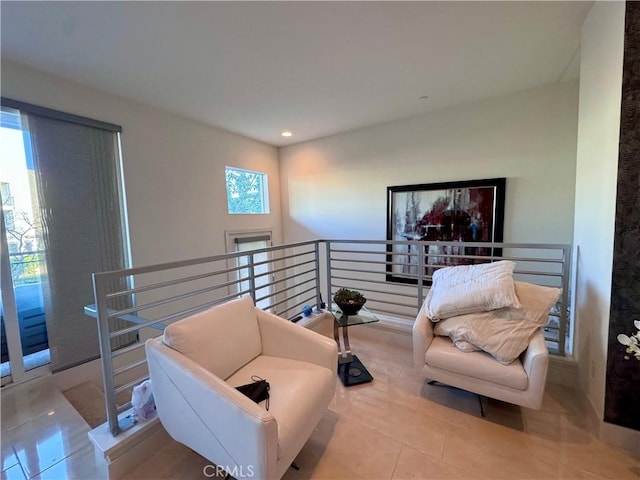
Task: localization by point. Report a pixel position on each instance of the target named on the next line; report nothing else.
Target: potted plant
(349, 301)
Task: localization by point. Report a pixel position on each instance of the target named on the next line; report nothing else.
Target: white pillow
(471, 288)
(504, 333)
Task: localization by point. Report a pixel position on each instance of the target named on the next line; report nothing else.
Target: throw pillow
(504, 333)
(471, 288)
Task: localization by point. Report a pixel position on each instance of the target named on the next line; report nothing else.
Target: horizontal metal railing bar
(131, 384)
(384, 292)
(169, 283)
(297, 285)
(441, 255)
(260, 299)
(306, 300)
(125, 350)
(437, 266)
(129, 317)
(364, 252)
(124, 407)
(283, 290)
(264, 297)
(379, 282)
(494, 257)
(285, 279)
(414, 277)
(302, 292)
(375, 262)
(532, 246)
(91, 311)
(176, 315)
(195, 261)
(182, 296)
(395, 313)
(282, 280)
(293, 296)
(470, 257)
(290, 267)
(539, 274)
(280, 259)
(398, 304)
(357, 270)
(129, 367)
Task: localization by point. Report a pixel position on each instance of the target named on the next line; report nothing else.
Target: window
(247, 191)
(65, 182)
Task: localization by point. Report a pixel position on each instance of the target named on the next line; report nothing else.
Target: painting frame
(464, 211)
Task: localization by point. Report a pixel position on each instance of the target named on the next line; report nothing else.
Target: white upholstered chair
(199, 361)
(521, 382)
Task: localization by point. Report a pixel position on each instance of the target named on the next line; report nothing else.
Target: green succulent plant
(344, 295)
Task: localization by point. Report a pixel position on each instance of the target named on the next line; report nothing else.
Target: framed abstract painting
(465, 211)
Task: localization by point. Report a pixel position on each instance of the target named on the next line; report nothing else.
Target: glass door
(25, 344)
(252, 240)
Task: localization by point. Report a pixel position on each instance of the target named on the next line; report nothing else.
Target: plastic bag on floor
(142, 401)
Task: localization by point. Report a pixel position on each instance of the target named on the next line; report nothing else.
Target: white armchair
(200, 360)
(521, 382)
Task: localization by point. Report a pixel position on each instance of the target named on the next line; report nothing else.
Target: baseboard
(121, 454)
(87, 372)
(317, 321)
(621, 437)
(562, 371)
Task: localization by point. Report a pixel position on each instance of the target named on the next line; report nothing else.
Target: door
(243, 241)
(25, 345)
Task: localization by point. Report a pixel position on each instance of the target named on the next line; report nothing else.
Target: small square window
(247, 191)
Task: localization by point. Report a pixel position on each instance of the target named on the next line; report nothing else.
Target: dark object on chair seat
(258, 390)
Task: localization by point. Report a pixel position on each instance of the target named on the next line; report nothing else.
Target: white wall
(596, 176)
(174, 168)
(336, 187)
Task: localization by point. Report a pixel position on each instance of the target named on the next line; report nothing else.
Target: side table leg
(344, 350)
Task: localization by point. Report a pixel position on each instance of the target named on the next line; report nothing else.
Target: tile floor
(396, 427)
(43, 436)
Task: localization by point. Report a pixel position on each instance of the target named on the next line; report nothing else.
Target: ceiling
(315, 68)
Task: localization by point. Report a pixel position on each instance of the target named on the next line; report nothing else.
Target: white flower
(632, 343)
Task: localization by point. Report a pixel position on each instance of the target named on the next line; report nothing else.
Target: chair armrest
(422, 337)
(281, 338)
(536, 354)
(535, 361)
(202, 411)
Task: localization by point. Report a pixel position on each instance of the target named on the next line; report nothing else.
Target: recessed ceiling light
(286, 133)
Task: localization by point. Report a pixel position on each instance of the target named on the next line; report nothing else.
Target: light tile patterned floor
(396, 427)
(43, 436)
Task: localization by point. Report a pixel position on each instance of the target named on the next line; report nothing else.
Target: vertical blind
(79, 190)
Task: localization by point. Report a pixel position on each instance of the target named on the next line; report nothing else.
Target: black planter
(350, 308)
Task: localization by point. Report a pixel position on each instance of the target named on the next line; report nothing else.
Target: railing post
(252, 277)
(329, 297)
(317, 259)
(566, 267)
(421, 266)
(99, 294)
